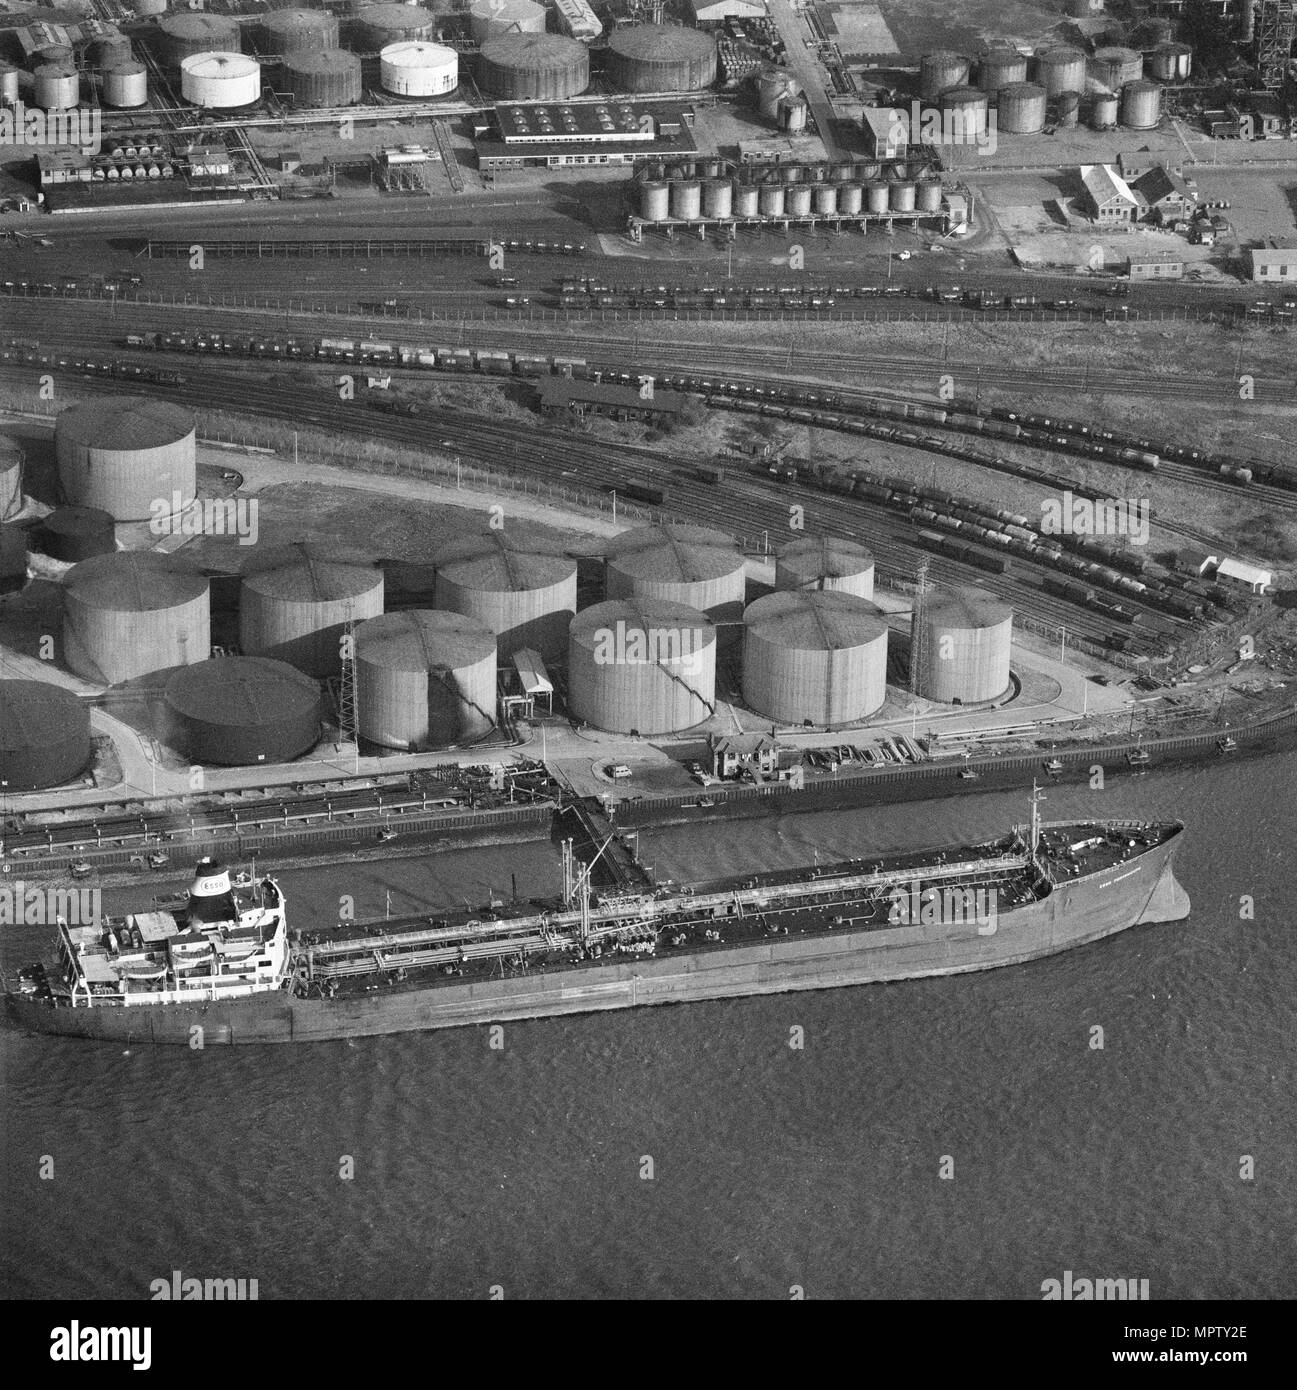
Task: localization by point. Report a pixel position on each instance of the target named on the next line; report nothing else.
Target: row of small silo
(690, 200)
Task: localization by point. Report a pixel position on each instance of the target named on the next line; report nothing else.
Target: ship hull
(1075, 913)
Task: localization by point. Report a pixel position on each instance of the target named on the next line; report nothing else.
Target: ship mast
(1037, 796)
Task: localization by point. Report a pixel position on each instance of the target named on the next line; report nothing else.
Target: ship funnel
(210, 895)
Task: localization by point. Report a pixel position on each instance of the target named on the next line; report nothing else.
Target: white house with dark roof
(1107, 197)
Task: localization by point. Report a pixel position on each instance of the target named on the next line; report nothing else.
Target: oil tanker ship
(226, 968)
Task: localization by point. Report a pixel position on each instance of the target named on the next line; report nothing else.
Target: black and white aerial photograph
(648, 652)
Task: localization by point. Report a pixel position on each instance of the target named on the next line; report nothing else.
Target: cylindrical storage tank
(126, 455)
(533, 67)
(239, 711)
(797, 200)
(424, 679)
(328, 78)
(686, 200)
(850, 199)
(940, 71)
(928, 195)
(1001, 67)
(825, 562)
(1171, 62)
(1084, 9)
(771, 85)
(710, 169)
(901, 197)
(693, 565)
(826, 200)
(295, 603)
(1114, 67)
(108, 50)
(1152, 33)
(11, 480)
(966, 108)
(76, 533)
(962, 645)
(58, 86)
(9, 84)
(747, 200)
(415, 69)
(792, 114)
(489, 19)
(381, 25)
(718, 198)
(133, 613)
(142, 9)
(876, 198)
(816, 655)
(181, 36)
(524, 592)
(843, 172)
(1061, 69)
(655, 201)
(1021, 110)
(296, 30)
(1103, 111)
(1141, 105)
(771, 200)
(791, 173)
(1067, 109)
(220, 81)
(125, 85)
(44, 735)
(661, 58)
(643, 665)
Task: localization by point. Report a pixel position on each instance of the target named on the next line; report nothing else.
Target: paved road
(802, 61)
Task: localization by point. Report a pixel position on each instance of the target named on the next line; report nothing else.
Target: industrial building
(533, 67)
(661, 58)
(565, 134)
(960, 647)
(424, 679)
(44, 735)
(240, 711)
(641, 665)
(562, 395)
(886, 130)
(490, 19)
(689, 565)
(1155, 267)
(295, 604)
(577, 20)
(523, 590)
(134, 613)
(125, 455)
(814, 656)
(825, 562)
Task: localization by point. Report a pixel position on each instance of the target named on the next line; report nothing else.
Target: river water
(772, 1167)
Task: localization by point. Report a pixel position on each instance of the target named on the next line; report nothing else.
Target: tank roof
(196, 26)
(636, 613)
(424, 639)
(815, 620)
(33, 713)
(124, 423)
(539, 51)
(504, 563)
(241, 691)
(662, 42)
(675, 553)
(301, 574)
(297, 19)
(831, 556)
(134, 581)
(322, 60)
(972, 608)
(396, 16)
(219, 65)
(78, 521)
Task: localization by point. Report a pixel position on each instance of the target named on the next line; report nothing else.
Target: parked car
(618, 771)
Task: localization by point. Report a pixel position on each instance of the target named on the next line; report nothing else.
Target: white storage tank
(416, 69)
(825, 562)
(642, 665)
(655, 201)
(814, 655)
(134, 613)
(58, 86)
(962, 643)
(424, 679)
(220, 81)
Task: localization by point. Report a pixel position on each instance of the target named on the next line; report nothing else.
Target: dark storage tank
(237, 711)
(44, 735)
(76, 533)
